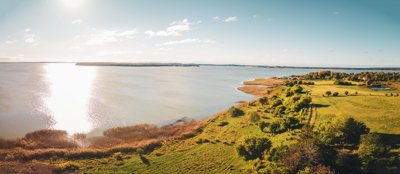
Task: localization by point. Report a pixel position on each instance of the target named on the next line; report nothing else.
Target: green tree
(252, 147)
(274, 127)
(296, 89)
(352, 130)
(263, 100)
(328, 93)
(346, 92)
(232, 111)
(335, 94)
(370, 149)
(254, 117)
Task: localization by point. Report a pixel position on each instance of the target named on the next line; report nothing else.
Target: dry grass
(46, 144)
(267, 89)
(267, 82)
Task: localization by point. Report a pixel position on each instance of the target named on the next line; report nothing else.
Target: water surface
(90, 99)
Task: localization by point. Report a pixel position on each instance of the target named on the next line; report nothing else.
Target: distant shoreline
(135, 64)
(198, 65)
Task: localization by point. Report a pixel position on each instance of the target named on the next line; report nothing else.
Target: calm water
(91, 99)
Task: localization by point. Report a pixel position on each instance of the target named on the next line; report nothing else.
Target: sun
(73, 3)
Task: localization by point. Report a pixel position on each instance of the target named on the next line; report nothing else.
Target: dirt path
(313, 115)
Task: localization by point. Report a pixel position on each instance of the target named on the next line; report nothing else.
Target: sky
(250, 32)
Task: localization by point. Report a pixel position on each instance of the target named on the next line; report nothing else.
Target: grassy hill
(212, 150)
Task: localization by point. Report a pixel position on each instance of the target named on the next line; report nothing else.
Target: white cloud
(36, 44)
(336, 13)
(108, 36)
(165, 49)
(127, 33)
(111, 53)
(77, 48)
(156, 53)
(29, 38)
(21, 55)
(255, 16)
(330, 49)
(231, 19)
(209, 41)
(77, 21)
(284, 50)
(11, 42)
(77, 37)
(175, 28)
(201, 43)
(27, 29)
(216, 17)
(185, 41)
(198, 22)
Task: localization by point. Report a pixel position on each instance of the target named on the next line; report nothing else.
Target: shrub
(276, 103)
(140, 151)
(262, 125)
(252, 147)
(71, 166)
(274, 127)
(370, 149)
(233, 112)
(263, 100)
(346, 92)
(356, 92)
(276, 153)
(296, 89)
(328, 93)
(118, 156)
(254, 117)
(335, 94)
(223, 123)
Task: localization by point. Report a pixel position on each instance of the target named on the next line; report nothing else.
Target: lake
(90, 99)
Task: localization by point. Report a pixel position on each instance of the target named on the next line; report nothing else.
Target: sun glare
(69, 102)
(72, 3)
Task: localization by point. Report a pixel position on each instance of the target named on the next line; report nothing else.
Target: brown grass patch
(46, 144)
(267, 82)
(255, 90)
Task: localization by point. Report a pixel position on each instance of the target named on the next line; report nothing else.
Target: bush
(263, 100)
(233, 112)
(71, 166)
(276, 153)
(328, 93)
(254, 117)
(274, 127)
(252, 147)
(370, 149)
(276, 103)
(335, 94)
(118, 156)
(140, 151)
(262, 125)
(296, 89)
(346, 92)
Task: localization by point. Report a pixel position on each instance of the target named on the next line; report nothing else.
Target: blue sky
(255, 32)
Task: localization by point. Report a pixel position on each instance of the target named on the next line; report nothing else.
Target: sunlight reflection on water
(69, 101)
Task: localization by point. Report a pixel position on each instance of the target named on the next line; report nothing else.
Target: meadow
(209, 146)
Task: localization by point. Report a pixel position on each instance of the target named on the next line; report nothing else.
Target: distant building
(365, 78)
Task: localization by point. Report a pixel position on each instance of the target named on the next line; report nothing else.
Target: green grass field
(213, 149)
